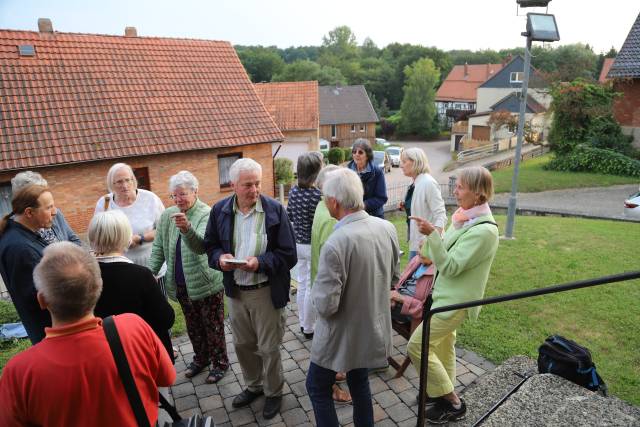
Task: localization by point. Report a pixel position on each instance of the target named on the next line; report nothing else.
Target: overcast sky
(446, 24)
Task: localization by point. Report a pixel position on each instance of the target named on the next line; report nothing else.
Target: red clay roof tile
(461, 86)
(293, 105)
(90, 97)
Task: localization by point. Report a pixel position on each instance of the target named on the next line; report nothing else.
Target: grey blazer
(358, 264)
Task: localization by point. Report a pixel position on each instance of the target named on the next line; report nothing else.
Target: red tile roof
(293, 105)
(90, 97)
(461, 86)
(606, 66)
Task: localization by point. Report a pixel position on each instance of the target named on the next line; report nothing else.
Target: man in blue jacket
(250, 239)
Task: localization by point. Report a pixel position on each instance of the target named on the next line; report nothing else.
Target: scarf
(462, 216)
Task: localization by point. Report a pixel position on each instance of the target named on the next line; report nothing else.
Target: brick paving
(394, 399)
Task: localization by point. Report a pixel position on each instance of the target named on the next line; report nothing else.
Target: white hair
(345, 186)
(109, 231)
(183, 179)
(115, 168)
(243, 165)
(324, 174)
(25, 178)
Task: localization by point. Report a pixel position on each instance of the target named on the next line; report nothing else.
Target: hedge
(585, 158)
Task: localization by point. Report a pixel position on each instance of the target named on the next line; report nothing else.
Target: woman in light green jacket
(463, 258)
(189, 280)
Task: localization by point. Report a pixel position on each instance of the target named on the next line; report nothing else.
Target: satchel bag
(115, 344)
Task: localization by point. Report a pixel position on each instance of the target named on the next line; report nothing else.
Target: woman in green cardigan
(463, 258)
(198, 288)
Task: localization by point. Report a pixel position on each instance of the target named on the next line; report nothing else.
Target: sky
(445, 24)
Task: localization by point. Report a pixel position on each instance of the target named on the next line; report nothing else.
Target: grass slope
(533, 178)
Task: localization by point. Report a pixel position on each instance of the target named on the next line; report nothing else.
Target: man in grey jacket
(358, 264)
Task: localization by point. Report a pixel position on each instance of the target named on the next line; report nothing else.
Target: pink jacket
(413, 306)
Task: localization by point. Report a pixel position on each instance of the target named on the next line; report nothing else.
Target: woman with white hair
(143, 209)
(180, 243)
(425, 201)
(127, 287)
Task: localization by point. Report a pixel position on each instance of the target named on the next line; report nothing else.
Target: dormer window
(516, 77)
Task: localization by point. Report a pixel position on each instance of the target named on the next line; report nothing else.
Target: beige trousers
(257, 329)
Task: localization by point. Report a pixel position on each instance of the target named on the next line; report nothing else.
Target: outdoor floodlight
(542, 27)
(533, 3)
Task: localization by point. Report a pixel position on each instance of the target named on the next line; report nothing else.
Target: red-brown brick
(77, 187)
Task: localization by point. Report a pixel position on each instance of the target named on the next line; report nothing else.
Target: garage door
(290, 150)
(481, 133)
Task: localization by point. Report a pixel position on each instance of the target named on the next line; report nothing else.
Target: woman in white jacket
(426, 201)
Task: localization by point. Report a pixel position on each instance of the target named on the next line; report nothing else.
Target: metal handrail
(426, 323)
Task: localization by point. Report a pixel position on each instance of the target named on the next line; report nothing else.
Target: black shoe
(271, 407)
(443, 412)
(308, 336)
(246, 397)
(430, 400)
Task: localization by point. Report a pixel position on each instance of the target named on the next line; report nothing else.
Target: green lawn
(533, 178)
(548, 251)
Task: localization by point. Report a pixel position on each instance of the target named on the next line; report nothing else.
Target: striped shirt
(249, 239)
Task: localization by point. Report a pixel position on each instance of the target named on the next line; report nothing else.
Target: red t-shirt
(70, 378)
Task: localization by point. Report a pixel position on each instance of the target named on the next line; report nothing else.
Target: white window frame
(513, 77)
(224, 164)
(334, 132)
(5, 194)
(363, 127)
(353, 128)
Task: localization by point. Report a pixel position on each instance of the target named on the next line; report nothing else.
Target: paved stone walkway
(394, 399)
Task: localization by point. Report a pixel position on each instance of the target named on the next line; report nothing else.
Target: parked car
(324, 144)
(383, 142)
(632, 206)
(381, 159)
(394, 155)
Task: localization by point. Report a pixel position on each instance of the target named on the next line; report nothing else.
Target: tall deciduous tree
(260, 62)
(418, 106)
(308, 70)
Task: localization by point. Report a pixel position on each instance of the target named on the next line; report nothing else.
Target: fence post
(281, 193)
(452, 185)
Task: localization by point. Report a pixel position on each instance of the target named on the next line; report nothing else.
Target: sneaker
(443, 412)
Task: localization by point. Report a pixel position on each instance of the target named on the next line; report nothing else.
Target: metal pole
(511, 213)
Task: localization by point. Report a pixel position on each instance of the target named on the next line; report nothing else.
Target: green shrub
(284, 171)
(585, 158)
(8, 313)
(325, 156)
(347, 153)
(336, 156)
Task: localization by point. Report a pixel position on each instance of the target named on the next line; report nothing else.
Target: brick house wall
(77, 187)
(626, 109)
(344, 136)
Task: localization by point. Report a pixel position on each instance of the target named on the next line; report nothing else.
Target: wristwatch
(141, 238)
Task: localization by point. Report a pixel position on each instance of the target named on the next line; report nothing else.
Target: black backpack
(563, 357)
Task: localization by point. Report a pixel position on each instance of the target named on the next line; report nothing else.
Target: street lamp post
(540, 27)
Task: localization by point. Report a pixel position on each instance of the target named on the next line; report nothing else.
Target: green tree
(260, 62)
(340, 42)
(307, 70)
(418, 110)
(369, 49)
(292, 54)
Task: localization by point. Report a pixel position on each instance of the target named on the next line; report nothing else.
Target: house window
(224, 164)
(353, 128)
(457, 106)
(334, 134)
(142, 176)
(363, 127)
(516, 77)
(5, 198)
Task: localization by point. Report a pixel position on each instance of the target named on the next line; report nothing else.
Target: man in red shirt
(70, 378)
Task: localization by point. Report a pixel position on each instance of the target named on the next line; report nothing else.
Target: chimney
(130, 32)
(45, 25)
(466, 70)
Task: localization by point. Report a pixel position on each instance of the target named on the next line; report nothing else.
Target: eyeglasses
(357, 152)
(180, 196)
(124, 181)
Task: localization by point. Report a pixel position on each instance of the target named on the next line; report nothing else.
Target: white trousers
(306, 311)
